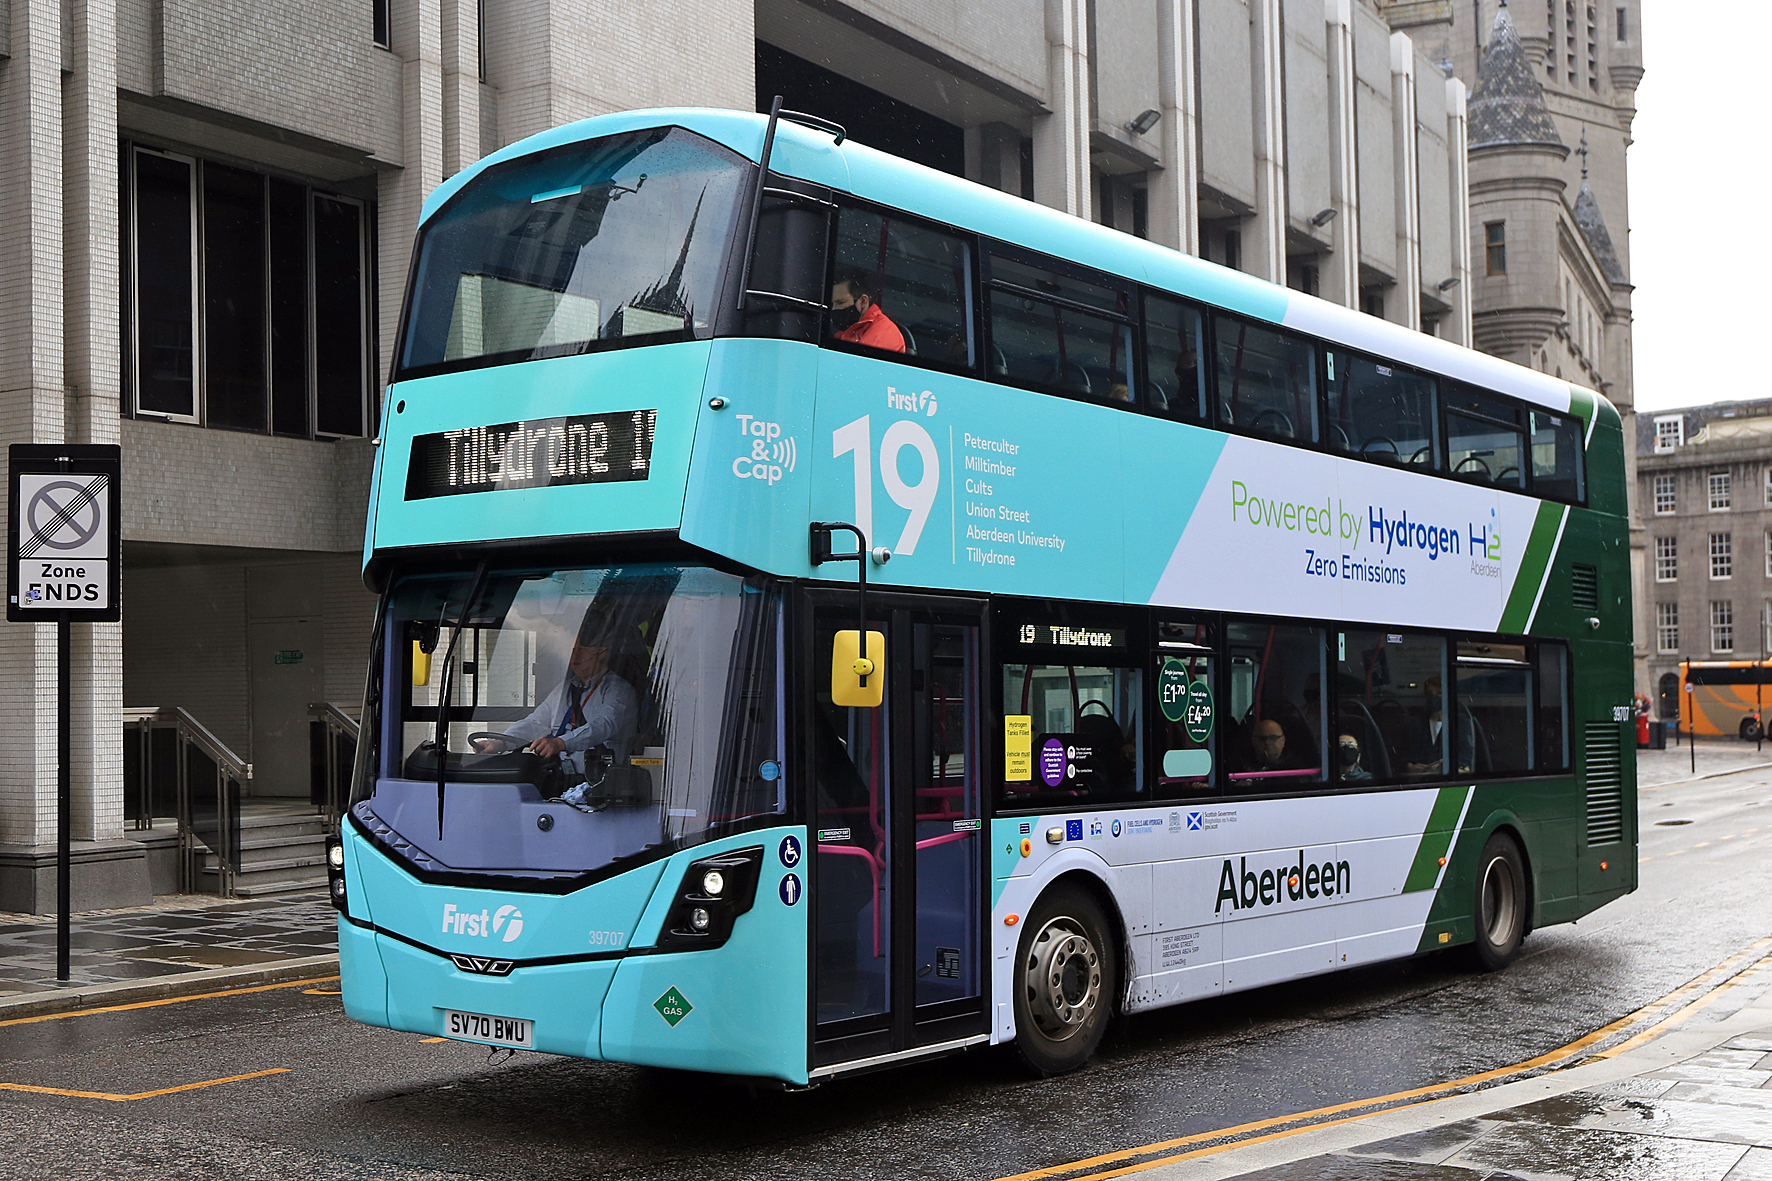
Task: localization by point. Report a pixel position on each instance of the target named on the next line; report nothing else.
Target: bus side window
(1174, 379)
(1556, 457)
(1267, 381)
(898, 286)
(1383, 413)
(1043, 336)
(1494, 707)
(1071, 733)
(1273, 733)
(1186, 722)
(1390, 700)
(1484, 440)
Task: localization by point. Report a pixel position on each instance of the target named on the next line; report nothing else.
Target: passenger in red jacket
(856, 316)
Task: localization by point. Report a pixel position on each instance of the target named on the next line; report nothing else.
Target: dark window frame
(990, 248)
(1143, 626)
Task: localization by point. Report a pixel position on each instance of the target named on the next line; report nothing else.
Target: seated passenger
(856, 316)
(1351, 771)
(1269, 741)
(592, 707)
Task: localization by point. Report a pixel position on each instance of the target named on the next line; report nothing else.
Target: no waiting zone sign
(63, 533)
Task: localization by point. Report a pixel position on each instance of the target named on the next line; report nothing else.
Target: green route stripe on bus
(1535, 566)
(1436, 839)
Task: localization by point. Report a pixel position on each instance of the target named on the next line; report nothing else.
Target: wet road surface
(314, 1095)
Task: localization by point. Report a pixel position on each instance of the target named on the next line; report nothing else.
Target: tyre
(1067, 981)
(1500, 910)
(1749, 729)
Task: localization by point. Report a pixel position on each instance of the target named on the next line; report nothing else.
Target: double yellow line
(1712, 984)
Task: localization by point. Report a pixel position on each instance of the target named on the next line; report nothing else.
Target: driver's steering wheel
(505, 741)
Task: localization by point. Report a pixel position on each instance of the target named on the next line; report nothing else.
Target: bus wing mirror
(421, 664)
(855, 681)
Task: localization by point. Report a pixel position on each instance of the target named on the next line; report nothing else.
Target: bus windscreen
(618, 240)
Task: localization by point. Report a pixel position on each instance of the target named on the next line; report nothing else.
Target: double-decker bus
(835, 614)
(1720, 697)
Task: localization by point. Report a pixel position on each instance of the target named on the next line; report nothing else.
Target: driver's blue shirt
(611, 714)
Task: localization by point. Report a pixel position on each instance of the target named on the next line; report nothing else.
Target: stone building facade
(207, 209)
(1704, 484)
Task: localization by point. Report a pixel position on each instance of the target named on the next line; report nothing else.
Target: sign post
(64, 563)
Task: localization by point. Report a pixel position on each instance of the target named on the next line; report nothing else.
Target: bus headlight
(335, 873)
(714, 891)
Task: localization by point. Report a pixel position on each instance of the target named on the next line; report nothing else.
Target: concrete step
(279, 870)
(265, 889)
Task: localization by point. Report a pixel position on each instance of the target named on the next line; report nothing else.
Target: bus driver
(592, 707)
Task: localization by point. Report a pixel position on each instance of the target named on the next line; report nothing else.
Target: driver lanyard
(575, 714)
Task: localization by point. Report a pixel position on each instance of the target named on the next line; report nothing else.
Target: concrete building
(1704, 482)
(1553, 97)
(207, 209)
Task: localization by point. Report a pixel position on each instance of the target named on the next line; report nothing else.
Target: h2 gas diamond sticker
(673, 1006)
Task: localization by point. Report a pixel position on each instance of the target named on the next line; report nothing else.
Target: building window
(1722, 557)
(1665, 500)
(382, 37)
(1667, 558)
(1495, 245)
(1670, 431)
(1372, 300)
(1769, 553)
(1722, 626)
(1667, 627)
(1719, 491)
(1623, 28)
(247, 305)
(1233, 249)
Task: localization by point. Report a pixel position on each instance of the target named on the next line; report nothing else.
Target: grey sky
(1697, 172)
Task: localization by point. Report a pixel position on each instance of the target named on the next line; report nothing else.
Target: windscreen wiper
(440, 740)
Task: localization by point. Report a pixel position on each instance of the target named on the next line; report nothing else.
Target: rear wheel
(1066, 980)
(1501, 903)
(1749, 728)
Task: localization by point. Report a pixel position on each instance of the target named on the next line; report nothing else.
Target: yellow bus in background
(1719, 697)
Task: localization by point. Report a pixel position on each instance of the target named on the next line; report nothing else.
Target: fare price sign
(64, 559)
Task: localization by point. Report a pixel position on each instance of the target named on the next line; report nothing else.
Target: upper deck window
(901, 287)
(1381, 412)
(1484, 439)
(1061, 334)
(1174, 379)
(594, 245)
(1267, 381)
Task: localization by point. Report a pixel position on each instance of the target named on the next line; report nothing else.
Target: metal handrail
(339, 728)
(231, 772)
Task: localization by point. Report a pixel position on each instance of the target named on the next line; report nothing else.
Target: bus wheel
(1750, 729)
(1500, 904)
(1065, 989)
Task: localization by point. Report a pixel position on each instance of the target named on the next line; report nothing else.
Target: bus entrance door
(898, 878)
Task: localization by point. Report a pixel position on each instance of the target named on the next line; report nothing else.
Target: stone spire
(1507, 106)
(1599, 240)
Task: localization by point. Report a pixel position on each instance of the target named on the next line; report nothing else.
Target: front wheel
(1501, 903)
(1067, 979)
(1749, 729)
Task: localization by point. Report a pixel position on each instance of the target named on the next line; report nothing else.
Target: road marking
(214, 1082)
(171, 1000)
(1731, 970)
(323, 992)
(427, 1041)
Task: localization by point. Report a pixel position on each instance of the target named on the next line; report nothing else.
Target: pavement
(177, 945)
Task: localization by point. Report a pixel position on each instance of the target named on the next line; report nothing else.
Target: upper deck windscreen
(611, 241)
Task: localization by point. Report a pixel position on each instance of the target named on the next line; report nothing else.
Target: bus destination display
(541, 453)
(1064, 636)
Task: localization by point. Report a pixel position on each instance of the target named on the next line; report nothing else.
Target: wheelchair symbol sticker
(789, 852)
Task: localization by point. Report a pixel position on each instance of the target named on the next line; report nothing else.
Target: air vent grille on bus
(1603, 748)
(1584, 587)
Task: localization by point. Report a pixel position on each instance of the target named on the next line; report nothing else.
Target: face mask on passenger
(843, 319)
(1350, 754)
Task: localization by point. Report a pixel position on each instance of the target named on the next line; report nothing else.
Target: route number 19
(856, 439)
